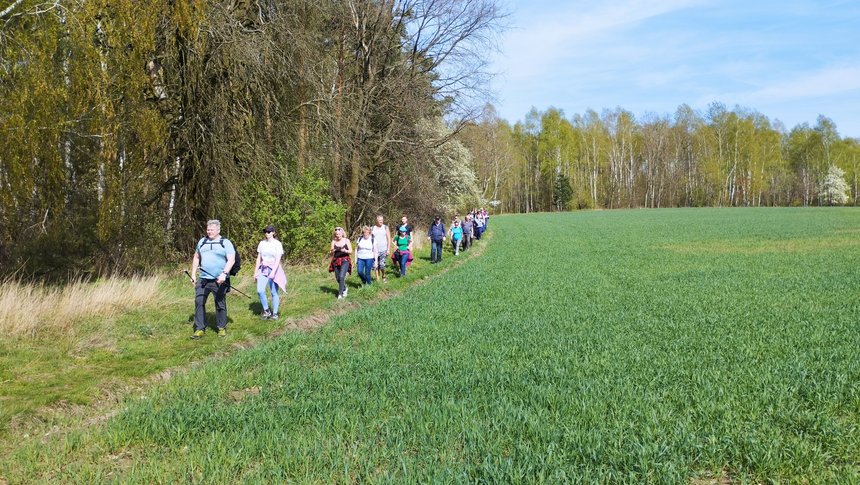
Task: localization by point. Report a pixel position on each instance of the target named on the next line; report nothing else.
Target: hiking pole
(231, 286)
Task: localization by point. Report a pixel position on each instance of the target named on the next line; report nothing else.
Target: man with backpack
(214, 256)
(436, 235)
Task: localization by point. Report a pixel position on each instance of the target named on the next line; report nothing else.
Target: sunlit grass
(36, 310)
(577, 349)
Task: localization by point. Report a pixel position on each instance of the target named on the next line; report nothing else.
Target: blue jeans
(262, 283)
(340, 273)
(365, 266)
(435, 251)
(404, 257)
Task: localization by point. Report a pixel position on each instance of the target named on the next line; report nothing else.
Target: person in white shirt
(366, 250)
(382, 235)
(269, 273)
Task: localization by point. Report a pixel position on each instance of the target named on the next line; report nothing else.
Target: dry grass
(32, 310)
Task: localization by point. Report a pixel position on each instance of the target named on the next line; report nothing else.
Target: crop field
(668, 346)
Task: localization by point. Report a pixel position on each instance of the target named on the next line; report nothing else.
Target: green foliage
(723, 157)
(301, 210)
(562, 192)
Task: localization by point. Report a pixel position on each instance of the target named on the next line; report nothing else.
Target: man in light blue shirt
(213, 256)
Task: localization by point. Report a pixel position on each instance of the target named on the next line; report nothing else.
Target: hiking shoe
(197, 334)
(345, 292)
(267, 314)
(222, 332)
(274, 316)
(339, 296)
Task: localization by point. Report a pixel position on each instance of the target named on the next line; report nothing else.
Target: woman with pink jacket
(269, 273)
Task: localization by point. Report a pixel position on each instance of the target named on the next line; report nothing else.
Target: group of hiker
(215, 259)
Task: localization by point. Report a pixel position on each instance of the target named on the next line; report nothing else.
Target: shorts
(380, 259)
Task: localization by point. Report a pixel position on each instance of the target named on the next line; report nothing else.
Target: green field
(669, 346)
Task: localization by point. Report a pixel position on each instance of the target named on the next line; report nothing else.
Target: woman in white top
(269, 273)
(366, 251)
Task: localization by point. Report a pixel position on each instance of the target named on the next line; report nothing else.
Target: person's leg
(404, 257)
(200, 296)
(340, 273)
(380, 265)
(220, 304)
(276, 297)
(344, 271)
(440, 246)
(262, 283)
(363, 271)
(369, 270)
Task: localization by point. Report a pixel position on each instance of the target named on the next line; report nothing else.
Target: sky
(789, 60)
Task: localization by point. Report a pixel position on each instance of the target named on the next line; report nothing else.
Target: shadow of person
(255, 307)
(329, 289)
(210, 320)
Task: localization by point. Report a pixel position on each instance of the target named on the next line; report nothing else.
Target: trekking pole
(231, 286)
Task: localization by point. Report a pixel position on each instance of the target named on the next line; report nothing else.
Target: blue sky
(789, 60)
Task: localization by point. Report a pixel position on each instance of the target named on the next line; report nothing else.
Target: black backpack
(237, 263)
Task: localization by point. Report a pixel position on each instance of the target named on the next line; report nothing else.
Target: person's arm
(195, 263)
(409, 245)
(390, 239)
(257, 264)
(348, 248)
(231, 258)
(331, 247)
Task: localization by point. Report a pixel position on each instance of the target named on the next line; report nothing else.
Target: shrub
(301, 210)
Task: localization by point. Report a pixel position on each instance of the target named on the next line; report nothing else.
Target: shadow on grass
(210, 320)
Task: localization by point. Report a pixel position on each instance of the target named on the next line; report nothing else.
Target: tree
(562, 192)
(834, 189)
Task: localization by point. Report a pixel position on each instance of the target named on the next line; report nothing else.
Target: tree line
(722, 157)
(126, 124)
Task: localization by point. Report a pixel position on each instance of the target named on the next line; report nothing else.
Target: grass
(33, 310)
(614, 346)
(64, 349)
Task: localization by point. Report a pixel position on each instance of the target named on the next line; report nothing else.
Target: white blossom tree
(834, 189)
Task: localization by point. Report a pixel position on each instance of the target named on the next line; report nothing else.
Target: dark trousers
(201, 294)
(435, 251)
(340, 275)
(467, 241)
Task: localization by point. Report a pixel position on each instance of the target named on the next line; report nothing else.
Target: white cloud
(537, 49)
(829, 81)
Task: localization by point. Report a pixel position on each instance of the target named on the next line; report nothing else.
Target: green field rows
(622, 346)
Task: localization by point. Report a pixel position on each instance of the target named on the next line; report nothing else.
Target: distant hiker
(269, 273)
(214, 257)
(340, 264)
(479, 226)
(366, 249)
(403, 254)
(404, 222)
(382, 234)
(436, 235)
(456, 233)
(468, 231)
